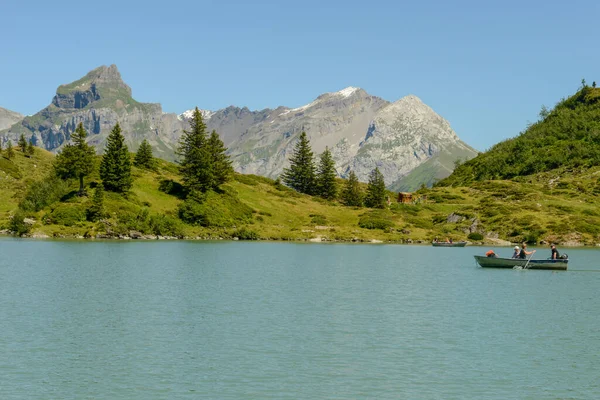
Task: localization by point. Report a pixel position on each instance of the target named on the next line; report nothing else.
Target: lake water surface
(234, 320)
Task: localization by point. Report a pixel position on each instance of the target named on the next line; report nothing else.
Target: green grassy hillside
(560, 206)
(566, 137)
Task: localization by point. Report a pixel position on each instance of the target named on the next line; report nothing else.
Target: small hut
(405, 197)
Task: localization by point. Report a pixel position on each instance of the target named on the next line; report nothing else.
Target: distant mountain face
(8, 118)
(99, 100)
(361, 130)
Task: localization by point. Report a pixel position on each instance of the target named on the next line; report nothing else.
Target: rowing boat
(497, 262)
(448, 244)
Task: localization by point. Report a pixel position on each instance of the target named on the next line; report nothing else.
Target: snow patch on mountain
(206, 114)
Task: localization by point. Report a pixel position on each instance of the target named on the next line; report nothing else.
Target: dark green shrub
(17, 225)
(169, 186)
(215, 210)
(165, 225)
(67, 215)
(245, 234)
(318, 219)
(475, 236)
(43, 193)
(375, 223)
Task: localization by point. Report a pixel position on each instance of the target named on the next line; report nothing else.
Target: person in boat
(516, 253)
(555, 255)
(490, 253)
(524, 253)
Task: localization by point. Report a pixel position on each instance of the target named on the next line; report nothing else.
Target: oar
(530, 257)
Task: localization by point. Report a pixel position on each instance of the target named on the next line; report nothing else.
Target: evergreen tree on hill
(96, 210)
(115, 168)
(300, 176)
(196, 164)
(10, 153)
(30, 149)
(352, 195)
(221, 165)
(326, 185)
(75, 160)
(376, 193)
(143, 157)
(23, 143)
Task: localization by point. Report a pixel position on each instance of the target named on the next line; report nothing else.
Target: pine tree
(376, 193)
(96, 210)
(30, 149)
(115, 168)
(143, 157)
(352, 195)
(326, 185)
(76, 160)
(10, 153)
(300, 176)
(0, 146)
(23, 143)
(196, 164)
(221, 164)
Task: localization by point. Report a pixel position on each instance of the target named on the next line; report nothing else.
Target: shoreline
(317, 240)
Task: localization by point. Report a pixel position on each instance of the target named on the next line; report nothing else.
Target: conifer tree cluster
(376, 193)
(352, 195)
(304, 177)
(143, 157)
(115, 168)
(204, 165)
(76, 160)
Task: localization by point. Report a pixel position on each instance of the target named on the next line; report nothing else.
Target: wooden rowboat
(497, 262)
(448, 244)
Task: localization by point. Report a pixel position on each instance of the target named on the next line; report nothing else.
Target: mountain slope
(8, 118)
(566, 137)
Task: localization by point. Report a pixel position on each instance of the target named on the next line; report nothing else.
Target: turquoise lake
(238, 320)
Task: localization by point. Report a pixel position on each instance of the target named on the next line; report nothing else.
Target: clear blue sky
(487, 67)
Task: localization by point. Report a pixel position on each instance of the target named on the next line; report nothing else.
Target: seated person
(490, 253)
(524, 253)
(516, 253)
(555, 255)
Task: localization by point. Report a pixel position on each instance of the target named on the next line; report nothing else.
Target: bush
(165, 225)
(17, 225)
(475, 236)
(245, 234)
(318, 219)
(133, 221)
(67, 215)
(169, 186)
(215, 210)
(43, 193)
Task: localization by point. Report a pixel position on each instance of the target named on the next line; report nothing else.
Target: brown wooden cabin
(405, 197)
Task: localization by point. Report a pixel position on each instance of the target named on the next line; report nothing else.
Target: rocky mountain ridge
(362, 131)
(9, 118)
